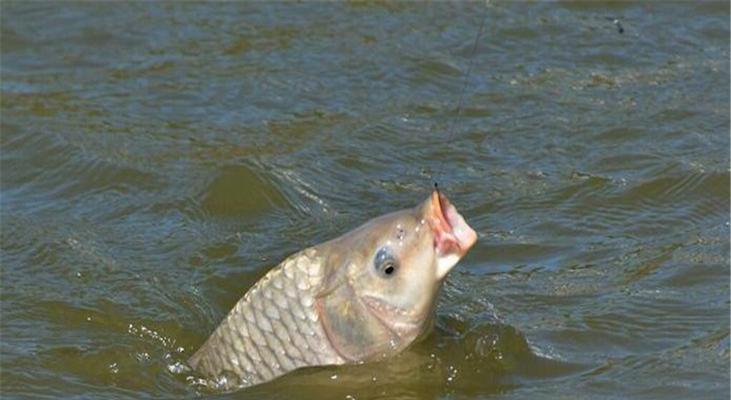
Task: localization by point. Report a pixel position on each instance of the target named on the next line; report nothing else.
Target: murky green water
(158, 158)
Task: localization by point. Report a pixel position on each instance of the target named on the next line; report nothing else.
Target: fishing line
(466, 80)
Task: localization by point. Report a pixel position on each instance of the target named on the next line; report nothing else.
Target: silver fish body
(272, 330)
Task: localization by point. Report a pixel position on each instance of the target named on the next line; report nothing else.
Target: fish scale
(272, 330)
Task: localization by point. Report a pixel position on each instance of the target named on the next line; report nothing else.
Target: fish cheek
(351, 328)
(416, 279)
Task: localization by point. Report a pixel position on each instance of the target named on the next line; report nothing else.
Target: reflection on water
(157, 159)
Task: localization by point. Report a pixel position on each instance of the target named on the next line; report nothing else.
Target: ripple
(239, 191)
(439, 74)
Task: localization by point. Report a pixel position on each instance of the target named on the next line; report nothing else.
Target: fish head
(395, 265)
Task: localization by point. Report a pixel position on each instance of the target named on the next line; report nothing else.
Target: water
(158, 158)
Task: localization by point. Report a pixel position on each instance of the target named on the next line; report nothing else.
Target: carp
(363, 296)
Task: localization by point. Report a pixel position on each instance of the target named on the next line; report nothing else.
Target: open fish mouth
(452, 235)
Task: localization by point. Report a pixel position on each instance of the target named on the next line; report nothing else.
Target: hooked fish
(364, 296)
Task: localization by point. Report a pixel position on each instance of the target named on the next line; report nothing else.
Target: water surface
(156, 159)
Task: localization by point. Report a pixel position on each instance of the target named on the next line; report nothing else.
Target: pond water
(156, 159)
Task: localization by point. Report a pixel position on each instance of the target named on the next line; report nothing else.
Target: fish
(364, 296)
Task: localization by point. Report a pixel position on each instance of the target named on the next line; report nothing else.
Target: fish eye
(385, 262)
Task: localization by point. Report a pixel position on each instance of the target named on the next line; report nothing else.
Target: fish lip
(451, 233)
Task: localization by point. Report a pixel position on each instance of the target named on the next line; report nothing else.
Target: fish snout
(453, 237)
